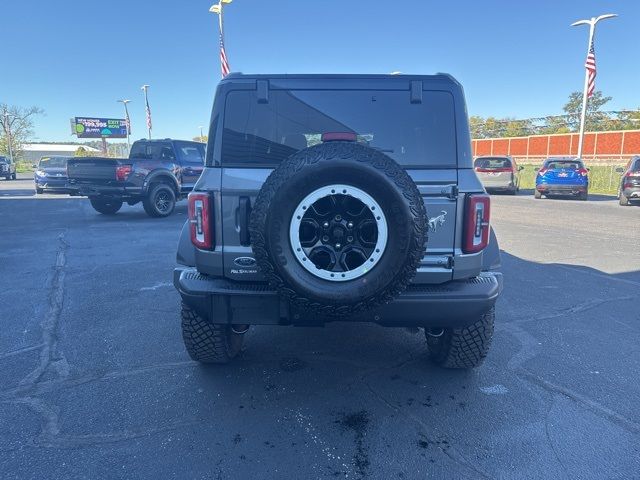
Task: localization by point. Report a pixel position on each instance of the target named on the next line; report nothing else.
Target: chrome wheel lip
(378, 215)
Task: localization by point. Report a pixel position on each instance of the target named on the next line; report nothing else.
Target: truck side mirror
(520, 168)
(34, 166)
(619, 170)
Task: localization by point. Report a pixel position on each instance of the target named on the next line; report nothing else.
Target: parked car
(157, 173)
(7, 168)
(498, 173)
(629, 189)
(51, 174)
(562, 176)
(313, 207)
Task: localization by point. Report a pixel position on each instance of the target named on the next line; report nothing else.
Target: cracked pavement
(95, 381)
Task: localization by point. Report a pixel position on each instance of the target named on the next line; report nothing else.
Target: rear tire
(106, 207)
(584, 196)
(464, 347)
(160, 201)
(622, 200)
(14, 176)
(537, 195)
(39, 191)
(207, 342)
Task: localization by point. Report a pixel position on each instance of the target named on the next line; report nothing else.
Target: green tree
(595, 119)
(18, 123)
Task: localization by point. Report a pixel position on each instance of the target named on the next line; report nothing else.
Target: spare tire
(338, 228)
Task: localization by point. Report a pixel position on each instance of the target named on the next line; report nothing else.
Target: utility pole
(147, 109)
(585, 97)
(201, 134)
(127, 119)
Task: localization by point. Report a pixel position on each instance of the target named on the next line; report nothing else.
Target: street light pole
(128, 120)
(592, 28)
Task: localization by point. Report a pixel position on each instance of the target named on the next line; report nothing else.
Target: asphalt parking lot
(95, 381)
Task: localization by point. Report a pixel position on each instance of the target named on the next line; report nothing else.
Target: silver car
(498, 173)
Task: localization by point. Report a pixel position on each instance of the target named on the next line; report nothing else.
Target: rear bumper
(632, 192)
(93, 190)
(452, 304)
(561, 189)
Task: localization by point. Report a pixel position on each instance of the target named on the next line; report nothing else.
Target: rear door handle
(243, 220)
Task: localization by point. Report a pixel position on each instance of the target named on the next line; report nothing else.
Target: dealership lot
(96, 383)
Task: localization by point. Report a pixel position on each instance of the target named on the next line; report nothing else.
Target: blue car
(51, 174)
(562, 176)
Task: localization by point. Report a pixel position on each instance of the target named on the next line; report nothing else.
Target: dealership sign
(100, 127)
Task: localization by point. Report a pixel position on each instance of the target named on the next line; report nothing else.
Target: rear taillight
(122, 172)
(583, 171)
(200, 220)
(476, 223)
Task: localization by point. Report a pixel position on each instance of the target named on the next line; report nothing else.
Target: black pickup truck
(157, 173)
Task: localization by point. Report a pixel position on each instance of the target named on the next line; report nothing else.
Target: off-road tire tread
(149, 205)
(313, 155)
(206, 342)
(464, 347)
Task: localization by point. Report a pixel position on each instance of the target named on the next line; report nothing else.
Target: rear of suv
(629, 190)
(500, 174)
(562, 176)
(348, 198)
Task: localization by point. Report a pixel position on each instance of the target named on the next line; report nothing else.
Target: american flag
(590, 65)
(224, 63)
(148, 110)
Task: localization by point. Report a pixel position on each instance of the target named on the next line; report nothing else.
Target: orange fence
(605, 147)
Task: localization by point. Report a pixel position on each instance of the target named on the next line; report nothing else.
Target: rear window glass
(491, 163)
(189, 152)
(264, 134)
(563, 165)
(636, 166)
(53, 162)
(148, 151)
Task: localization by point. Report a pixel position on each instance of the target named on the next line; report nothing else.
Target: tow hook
(240, 329)
(434, 332)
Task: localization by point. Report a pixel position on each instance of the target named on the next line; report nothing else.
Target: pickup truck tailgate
(92, 169)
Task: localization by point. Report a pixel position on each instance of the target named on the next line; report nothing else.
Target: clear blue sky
(78, 58)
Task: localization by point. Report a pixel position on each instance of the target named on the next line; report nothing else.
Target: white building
(32, 152)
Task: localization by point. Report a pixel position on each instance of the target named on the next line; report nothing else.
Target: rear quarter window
(416, 135)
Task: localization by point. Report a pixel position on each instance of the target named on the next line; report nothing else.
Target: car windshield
(492, 163)
(411, 133)
(53, 162)
(190, 152)
(563, 165)
(636, 166)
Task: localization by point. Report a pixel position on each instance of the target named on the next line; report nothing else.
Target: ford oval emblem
(245, 262)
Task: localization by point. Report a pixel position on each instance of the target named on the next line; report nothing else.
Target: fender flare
(161, 176)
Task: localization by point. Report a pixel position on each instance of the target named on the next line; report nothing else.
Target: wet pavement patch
(358, 422)
(292, 364)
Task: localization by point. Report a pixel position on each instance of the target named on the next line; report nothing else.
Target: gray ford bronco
(339, 197)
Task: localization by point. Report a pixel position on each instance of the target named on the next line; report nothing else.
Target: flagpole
(148, 110)
(218, 8)
(592, 29)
